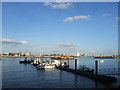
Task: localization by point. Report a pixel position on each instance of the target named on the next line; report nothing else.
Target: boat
(118, 60)
(105, 57)
(45, 66)
(26, 61)
(36, 61)
(64, 64)
(102, 61)
(84, 68)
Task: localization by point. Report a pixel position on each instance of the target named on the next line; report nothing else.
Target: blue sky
(45, 28)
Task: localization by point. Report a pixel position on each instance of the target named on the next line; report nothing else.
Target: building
(28, 54)
(78, 54)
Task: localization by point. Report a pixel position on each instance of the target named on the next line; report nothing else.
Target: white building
(78, 54)
(28, 54)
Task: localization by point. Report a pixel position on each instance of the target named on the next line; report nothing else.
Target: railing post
(96, 67)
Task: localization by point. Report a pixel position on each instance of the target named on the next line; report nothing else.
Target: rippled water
(90, 62)
(16, 75)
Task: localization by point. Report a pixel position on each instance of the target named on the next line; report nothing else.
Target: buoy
(102, 61)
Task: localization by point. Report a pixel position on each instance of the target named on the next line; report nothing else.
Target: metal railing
(111, 71)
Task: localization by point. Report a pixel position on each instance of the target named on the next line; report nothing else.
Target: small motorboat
(36, 61)
(26, 61)
(102, 61)
(64, 64)
(84, 68)
(118, 60)
(45, 66)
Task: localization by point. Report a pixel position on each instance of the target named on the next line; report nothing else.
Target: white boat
(102, 61)
(56, 62)
(45, 66)
(36, 61)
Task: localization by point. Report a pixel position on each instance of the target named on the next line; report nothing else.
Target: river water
(16, 75)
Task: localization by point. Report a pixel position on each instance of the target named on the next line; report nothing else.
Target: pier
(93, 75)
(101, 78)
(96, 74)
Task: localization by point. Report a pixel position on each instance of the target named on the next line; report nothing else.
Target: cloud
(105, 15)
(81, 17)
(63, 0)
(25, 50)
(10, 41)
(115, 25)
(65, 45)
(60, 5)
(29, 46)
(117, 18)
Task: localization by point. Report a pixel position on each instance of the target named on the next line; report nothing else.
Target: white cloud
(61, 5)
(117, 18)
(105, 14)
(63, 0)
(65, 45)
(64, 48)
(10, 41)
(29, 46)
(60, 0)
(81, 17)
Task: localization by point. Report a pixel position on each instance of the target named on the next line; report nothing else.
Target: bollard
(96, 67)
(75, 64)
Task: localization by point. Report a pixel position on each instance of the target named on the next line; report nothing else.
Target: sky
(60, 0)
(64, 28)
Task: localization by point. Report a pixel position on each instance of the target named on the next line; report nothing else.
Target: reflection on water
(47, 69)
(17, 75)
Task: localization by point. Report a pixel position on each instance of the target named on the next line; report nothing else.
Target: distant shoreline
(42, 56)
(24, 56)
(36, 56)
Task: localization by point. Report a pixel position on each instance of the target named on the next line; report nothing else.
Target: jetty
(89, 74)
(101, 78)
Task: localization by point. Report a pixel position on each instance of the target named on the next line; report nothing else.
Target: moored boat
(105, 57)
(118, 60)
(26, 61)
(45, 66)
(84, 68)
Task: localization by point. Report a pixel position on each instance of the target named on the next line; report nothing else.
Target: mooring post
(51, 61)
(25, 58)
(75, 64)
(31, 59)
(60, 63)
(96, 67)
(68, 62)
